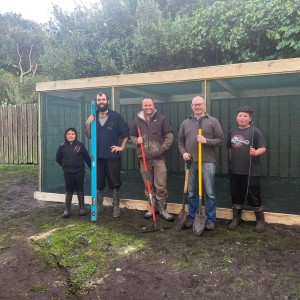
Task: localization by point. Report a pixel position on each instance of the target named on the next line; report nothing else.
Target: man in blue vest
(111, 128)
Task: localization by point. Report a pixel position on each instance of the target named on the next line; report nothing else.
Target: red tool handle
(147, 176)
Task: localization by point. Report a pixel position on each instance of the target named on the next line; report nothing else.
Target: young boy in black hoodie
(71, 156)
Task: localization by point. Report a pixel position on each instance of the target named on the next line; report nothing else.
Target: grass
(84, 250)
(8, 170)
(283, 279)
(8, 234)
(39, 288)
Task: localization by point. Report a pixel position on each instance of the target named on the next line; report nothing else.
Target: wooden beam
(228, 87)
(291, 65)
(206, 88)
(143, 93)
(259, 93)
(68, 94)
(174, 208)
(115, 99)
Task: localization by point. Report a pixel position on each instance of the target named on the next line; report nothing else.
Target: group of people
(151, 129)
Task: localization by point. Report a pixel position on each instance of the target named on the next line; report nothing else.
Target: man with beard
(111, 127)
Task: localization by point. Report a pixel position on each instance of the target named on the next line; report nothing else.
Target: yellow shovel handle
(200, 164)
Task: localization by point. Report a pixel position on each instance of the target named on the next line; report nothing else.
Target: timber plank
(10, 134)
(1, 134)
(35, 121)
(19, 149)
(174, 208)
(29, 114)
(204, 73)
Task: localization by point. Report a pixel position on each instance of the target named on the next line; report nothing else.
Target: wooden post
(115, 95)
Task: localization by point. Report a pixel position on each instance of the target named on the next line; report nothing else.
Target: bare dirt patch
(220, 264)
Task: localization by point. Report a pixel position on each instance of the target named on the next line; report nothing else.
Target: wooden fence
(19, 134)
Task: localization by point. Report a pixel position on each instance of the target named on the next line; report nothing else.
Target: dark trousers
(108, 171)
(74, 181)
(157, 175)
(242, 189)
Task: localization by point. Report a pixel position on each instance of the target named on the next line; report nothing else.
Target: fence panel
(19, 134)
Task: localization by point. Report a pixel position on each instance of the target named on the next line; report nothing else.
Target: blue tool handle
(93, 163)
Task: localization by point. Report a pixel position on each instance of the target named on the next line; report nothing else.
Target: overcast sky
(39, 10)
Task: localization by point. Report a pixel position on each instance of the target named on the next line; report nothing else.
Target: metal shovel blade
(199, 222)
(154, 227)
(182, 216)
(151, 228)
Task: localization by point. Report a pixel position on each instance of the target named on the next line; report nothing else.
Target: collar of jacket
(206, 115)
(142, 116)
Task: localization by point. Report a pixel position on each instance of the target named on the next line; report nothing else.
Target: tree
(22, 44)
(242, 30)
(89, 43)
(159, 43)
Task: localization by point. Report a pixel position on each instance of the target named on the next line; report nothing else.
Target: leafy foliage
(242, 30)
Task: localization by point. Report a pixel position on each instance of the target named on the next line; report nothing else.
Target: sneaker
(188, 223)
(210, 226)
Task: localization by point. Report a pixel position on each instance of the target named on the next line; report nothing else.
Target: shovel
(200, 217)
(182, 216)
(149, 228)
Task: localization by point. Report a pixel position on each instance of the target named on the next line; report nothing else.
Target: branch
(32, 68)
(30, 63)
(20, 60)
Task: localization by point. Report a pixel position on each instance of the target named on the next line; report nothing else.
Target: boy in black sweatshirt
(71, 156)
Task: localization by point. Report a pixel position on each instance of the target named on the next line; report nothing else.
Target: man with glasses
(188, 140)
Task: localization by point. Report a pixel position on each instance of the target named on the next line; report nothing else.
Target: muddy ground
(220, 264)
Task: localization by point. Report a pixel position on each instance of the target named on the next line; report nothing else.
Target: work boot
(116, 203)
(148, 214)
(68, 202)
(210, 226)
(260, 219)
(80, 196)
(236, 212)
(163, 210)
(100, 197)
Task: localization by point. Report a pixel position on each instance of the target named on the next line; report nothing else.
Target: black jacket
(71, 157)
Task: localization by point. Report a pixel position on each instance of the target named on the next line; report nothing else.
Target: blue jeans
(208, 176)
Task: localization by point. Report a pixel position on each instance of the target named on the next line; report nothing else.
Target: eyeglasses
(198, 104)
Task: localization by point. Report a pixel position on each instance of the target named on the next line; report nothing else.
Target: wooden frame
(207, 73)
(174, 208)
(204, 76)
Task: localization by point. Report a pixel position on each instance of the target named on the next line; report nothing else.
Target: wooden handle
(186, 180)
